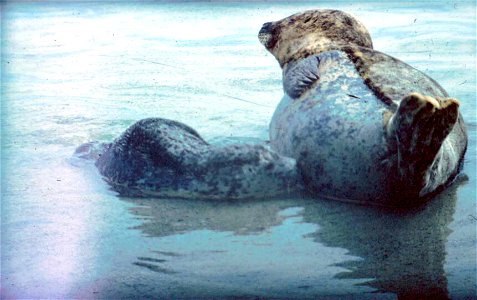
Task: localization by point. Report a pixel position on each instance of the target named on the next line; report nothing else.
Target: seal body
(165, 158)
(336, 132)
(363, 126)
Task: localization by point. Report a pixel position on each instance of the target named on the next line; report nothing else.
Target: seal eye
(308, 19)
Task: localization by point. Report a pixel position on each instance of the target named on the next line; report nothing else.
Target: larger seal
(363, 126)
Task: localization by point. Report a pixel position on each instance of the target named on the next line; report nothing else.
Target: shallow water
(76, 72)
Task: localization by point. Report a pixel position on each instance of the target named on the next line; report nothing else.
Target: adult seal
(362, 125)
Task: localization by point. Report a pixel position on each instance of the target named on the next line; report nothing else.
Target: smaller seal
(164, 158)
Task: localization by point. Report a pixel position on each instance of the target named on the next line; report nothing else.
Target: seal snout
(266, 27)
(265, 34)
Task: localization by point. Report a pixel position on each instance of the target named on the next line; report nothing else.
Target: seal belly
(335, 131)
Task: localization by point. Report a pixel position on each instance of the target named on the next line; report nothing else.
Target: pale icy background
(76, 72)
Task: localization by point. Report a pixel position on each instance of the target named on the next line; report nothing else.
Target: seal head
(312, 32)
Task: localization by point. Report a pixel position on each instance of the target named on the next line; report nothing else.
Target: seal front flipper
(299, 76)
(417, 131)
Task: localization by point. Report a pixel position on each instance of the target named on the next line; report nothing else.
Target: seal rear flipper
(300, 76)
(417, 130)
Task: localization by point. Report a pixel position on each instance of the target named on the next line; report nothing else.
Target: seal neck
(310, 50)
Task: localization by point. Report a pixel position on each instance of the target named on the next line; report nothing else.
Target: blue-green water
(75, 72)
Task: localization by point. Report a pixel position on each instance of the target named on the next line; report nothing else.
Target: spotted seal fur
(363, 126)
(165, 158)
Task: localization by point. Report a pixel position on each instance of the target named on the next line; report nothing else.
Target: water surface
(76, 72)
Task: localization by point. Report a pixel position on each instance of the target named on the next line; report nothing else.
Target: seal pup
(363, 126)
(165, 158)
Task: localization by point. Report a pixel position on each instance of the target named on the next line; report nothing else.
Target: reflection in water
(165, 217)
(402, 252)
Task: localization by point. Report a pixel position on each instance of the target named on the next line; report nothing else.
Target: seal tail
(417, 130)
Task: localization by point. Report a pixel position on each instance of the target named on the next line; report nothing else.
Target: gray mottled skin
(362, 125)
(164, 158)
(336, 137)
